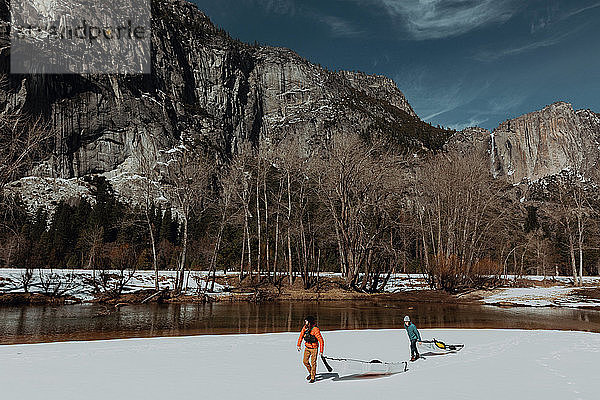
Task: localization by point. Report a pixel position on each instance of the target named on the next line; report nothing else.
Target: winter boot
(308, 378)
(312, 381)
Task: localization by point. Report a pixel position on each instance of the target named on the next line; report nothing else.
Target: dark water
(87, 322)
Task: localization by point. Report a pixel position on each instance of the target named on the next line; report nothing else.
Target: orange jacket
(317, 333)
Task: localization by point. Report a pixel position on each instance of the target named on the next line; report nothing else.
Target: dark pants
(414, 353)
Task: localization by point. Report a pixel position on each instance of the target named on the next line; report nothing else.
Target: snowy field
(495, 364)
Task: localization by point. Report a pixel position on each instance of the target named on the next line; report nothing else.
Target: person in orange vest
(312, 342)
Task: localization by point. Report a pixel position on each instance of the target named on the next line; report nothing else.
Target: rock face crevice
(204, 85)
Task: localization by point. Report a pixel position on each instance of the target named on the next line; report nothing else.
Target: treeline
(103, 234)
(353, 207)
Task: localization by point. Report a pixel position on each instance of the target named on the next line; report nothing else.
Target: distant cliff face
(545, 142)
(536, 145)
(206, 85)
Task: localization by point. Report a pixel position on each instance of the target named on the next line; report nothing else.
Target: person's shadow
(335, 377)
(325, 376)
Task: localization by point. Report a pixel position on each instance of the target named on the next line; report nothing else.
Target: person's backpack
(309, 337)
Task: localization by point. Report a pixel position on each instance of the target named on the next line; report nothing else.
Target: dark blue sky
(459, 62)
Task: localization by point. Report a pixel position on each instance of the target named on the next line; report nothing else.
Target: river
(34, 324)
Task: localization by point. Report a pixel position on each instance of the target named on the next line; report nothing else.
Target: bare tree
(300, 211)
(56, 284)
(122, 258)
(289, 162)
(149, 188)
(185, 180)
(23, 140)
(224, 207)
(355, 181)
(26, 277)
(277, 227)
(93, 239)
(239, 181)
(12, 248)
(460, 210)
(569, 205)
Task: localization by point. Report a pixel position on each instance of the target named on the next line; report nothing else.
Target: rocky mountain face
(225, 93)
(205, 84)
(537, 145)
(548, 141)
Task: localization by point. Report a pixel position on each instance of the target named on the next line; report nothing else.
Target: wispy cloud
(496, 54)
(506, 102)
(545, 18)
(488, 109)
(280, 7)
(472, 121)
(435, 19)
(580, 10)
(454, 96)
(461, 101)
(432, 98)
(339, 27)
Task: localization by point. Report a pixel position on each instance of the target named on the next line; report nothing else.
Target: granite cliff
(204, 83)
(225, 93)
(538, 144)
(545, 142)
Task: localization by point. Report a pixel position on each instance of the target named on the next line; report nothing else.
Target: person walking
(313, 341)
(414, 336)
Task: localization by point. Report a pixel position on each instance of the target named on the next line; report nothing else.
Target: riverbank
(495, 364)
(122, 287)
(35, 299)
(118, 288)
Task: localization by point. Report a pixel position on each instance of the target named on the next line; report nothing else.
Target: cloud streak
(436, 19)
(489, 56)
(339, 27)
(580, 10)
(278, 7)
(554, 15)
(432, 98)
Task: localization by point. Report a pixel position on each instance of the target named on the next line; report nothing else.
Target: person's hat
(407, 319)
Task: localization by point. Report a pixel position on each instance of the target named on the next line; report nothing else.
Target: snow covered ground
(587, 280)
(555, 296)
(76, 282)
(495, 364)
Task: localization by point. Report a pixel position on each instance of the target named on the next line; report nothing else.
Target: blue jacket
(413, 332)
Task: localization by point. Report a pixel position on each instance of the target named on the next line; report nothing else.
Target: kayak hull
(358, 368)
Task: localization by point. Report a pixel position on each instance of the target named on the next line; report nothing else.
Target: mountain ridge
(204, 83)
(225, 93)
